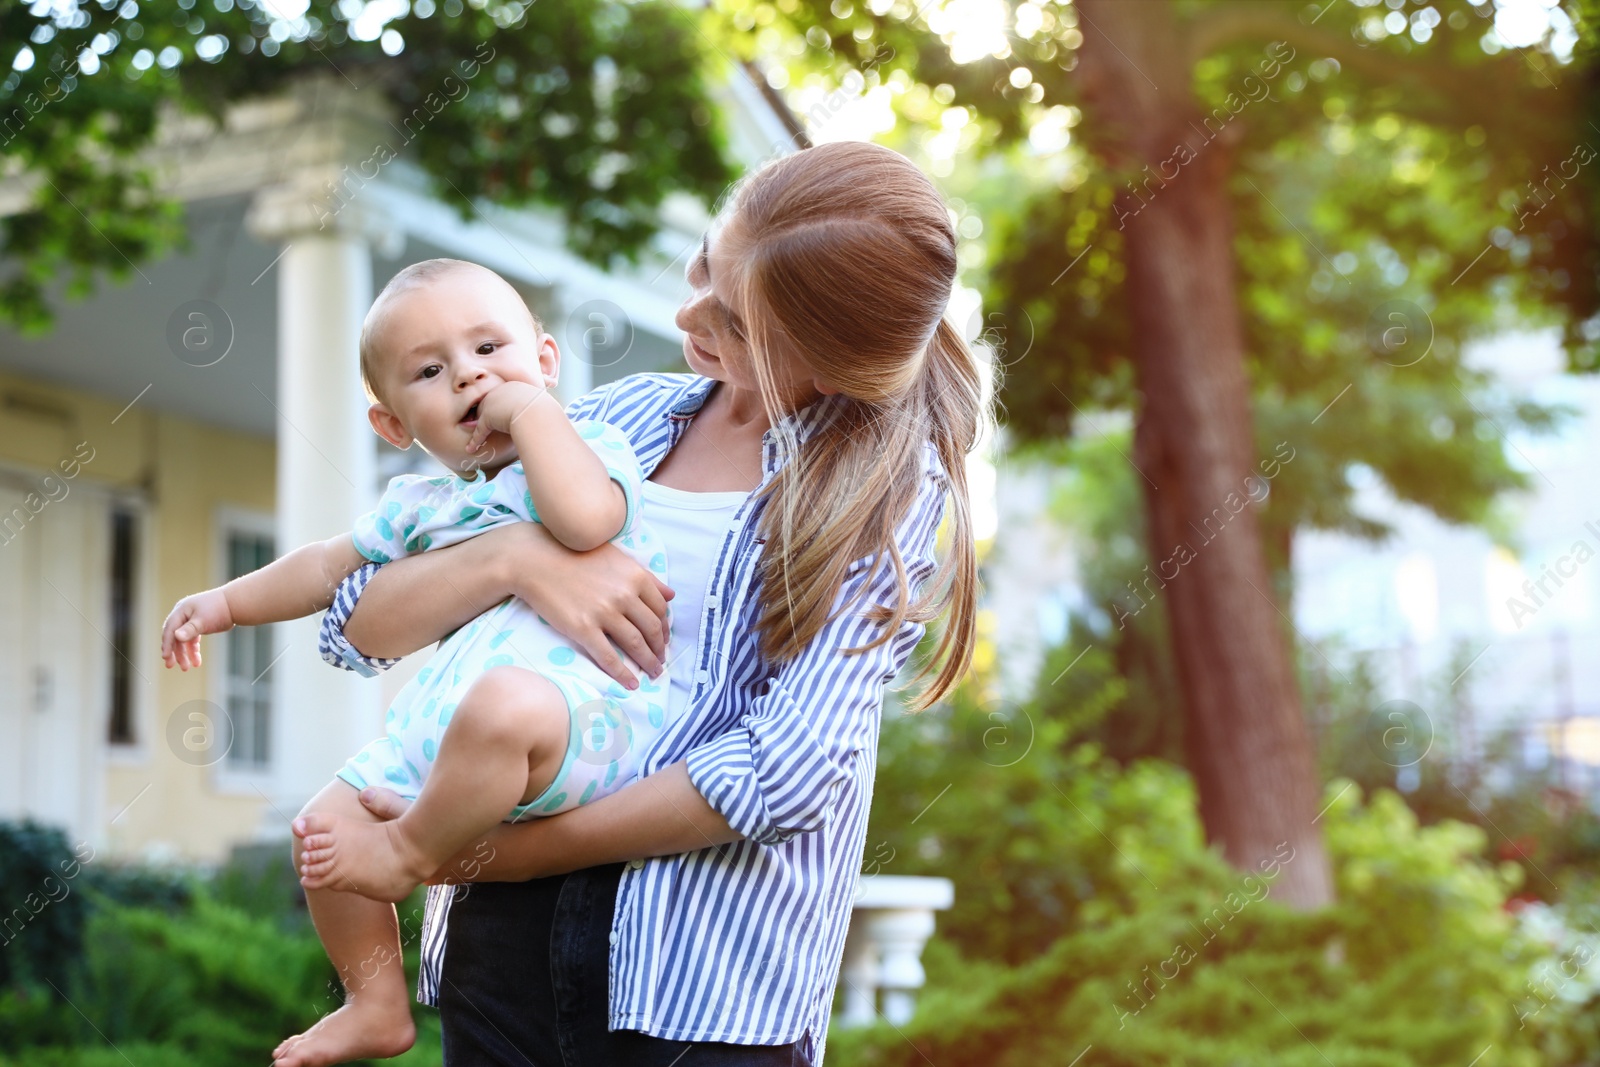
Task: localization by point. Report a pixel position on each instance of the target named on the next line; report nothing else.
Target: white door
(54, 686)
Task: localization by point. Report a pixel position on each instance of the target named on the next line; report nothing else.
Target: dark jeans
(525, 981)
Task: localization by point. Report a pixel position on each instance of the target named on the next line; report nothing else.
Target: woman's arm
(659, 815)
(592, 598)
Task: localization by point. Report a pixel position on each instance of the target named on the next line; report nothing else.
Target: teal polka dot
(527, 499)
(385, 530)
(499, 639)
(561, 655)
(378, 557)
(389, 718)
(364, 757)
(392, 509)
(658, 715)
(447, 714)
(395, 775)
(541, 620)
(412, 767)
(430, 707)
(424, 542)
(425, 513)
(554, 802)
(611, 773)
(658, 562)
(502, 660)
(429, 749)
(588, 792)
(616, 690)
(482, 495)
(615, 446)
(589, 431)
(468, 514)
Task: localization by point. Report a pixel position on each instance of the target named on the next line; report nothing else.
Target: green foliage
(159, 969)
(41, 927)
(1158, 952)
(598, 108)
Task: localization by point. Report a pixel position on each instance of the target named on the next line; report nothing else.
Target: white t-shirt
(692, 526)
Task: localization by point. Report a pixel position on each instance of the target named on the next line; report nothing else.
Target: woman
(799, 476)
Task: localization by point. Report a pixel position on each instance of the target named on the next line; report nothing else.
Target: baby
(506, 720)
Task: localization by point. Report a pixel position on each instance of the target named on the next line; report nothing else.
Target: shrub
(1417, 965)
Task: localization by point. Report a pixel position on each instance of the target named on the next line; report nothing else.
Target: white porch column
(326, 473)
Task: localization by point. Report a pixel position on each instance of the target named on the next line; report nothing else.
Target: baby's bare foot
(361, 1030)
(373, 859)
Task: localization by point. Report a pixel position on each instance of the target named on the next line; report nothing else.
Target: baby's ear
(387, 425)
(549, 359)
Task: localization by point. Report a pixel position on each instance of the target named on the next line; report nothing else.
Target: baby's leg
(505, 745)
(362, 939)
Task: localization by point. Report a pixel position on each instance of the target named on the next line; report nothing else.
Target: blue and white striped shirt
(742, 942)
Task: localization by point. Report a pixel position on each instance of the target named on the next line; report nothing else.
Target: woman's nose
(689, 315)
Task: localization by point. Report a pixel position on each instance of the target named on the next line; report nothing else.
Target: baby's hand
(501, 406)
(202, 613)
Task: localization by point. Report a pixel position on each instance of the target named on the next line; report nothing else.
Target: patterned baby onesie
(611, 727)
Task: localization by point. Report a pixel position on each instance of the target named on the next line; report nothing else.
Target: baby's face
(442, 347)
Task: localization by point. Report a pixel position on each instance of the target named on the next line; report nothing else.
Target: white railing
(892, 920)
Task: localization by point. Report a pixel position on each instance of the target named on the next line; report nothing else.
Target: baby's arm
(572, 492)
(301, 583)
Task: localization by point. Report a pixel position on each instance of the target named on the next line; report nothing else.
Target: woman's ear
(387, 425)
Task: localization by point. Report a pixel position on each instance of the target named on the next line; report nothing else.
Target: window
(248, 682)
(124, 557)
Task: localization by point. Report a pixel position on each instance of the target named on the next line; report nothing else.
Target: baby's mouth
(471, 415)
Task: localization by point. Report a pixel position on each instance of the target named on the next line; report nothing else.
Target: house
(182, 428)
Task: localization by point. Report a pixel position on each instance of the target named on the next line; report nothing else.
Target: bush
(154, 967)
(1419, 964)
(1090, 912)
(41, 929)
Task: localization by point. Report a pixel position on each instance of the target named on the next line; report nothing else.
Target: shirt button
(702, 675)
(613, 937)
(636, 864)
(712, 599)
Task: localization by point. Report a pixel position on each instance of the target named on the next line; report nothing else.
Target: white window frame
(148, 617)
(227, 777)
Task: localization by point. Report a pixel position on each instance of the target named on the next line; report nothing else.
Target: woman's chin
(700, 361)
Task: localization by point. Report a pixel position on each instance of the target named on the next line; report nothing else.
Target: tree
(598, 108)
(1130, 276)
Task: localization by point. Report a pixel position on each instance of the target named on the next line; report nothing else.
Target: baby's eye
(430, 371)
(487, 348)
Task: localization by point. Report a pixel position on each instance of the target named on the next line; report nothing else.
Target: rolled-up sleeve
(780, 771)
(331, 641)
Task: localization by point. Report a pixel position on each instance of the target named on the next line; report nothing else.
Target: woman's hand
(598, 597)
(591, 598)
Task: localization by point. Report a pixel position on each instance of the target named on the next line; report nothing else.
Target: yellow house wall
(184, 471)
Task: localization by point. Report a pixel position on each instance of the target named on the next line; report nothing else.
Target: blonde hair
(844, 256)
(414, 277)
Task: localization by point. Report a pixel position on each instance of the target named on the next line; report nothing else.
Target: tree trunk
(1247, 740)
